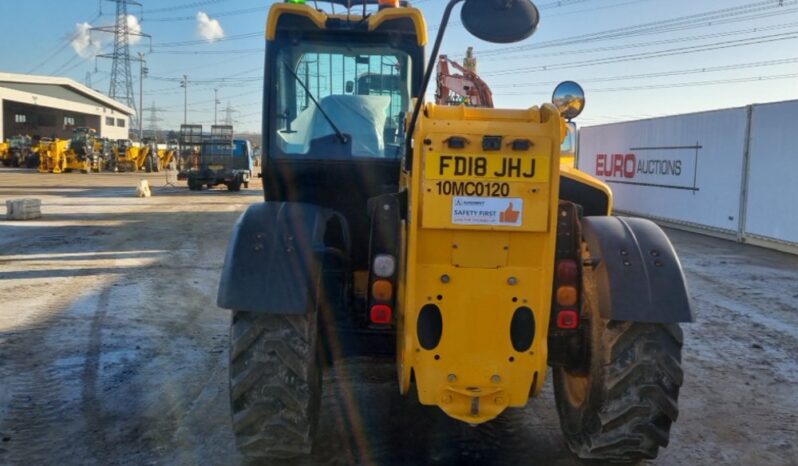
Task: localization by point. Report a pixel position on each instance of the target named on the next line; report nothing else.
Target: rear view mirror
(500, 21)
(569, 98)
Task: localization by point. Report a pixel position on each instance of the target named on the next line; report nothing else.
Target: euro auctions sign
(674, 167)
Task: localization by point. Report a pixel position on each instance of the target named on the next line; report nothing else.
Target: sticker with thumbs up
(487, 211)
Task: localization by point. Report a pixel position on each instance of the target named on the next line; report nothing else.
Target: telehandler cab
(448, 237)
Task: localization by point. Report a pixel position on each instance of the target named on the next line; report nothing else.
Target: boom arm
(466, 87)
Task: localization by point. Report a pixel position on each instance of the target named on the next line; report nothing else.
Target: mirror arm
(427, 76)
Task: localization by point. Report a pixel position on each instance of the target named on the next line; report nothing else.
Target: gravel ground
(112, 350)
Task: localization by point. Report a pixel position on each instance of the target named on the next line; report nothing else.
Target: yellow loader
(53, 155)
(449, 238)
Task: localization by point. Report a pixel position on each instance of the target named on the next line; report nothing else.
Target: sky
(634, 58)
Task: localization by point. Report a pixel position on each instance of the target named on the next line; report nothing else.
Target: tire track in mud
(41, 422)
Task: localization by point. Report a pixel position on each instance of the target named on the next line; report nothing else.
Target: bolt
(446, 399)
(624, 252)
(454, 246)
(444, 278)
(259, 236)
(495, 379)
(258, 247)
(451, 378)
(499, 400)
(512, 281)
(627, 263)
(386, 207)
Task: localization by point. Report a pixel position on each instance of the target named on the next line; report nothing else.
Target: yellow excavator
(449, 238)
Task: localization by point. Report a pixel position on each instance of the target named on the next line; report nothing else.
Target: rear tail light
(567, 272)
(381, 314)
(567, 319)
(567, 296)
(382, 290)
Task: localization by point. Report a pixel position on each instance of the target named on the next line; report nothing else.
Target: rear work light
(389, 4)
(567, 319)
(384, 265)
(381, 314)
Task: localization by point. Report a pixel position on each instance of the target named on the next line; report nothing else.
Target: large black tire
(193, 185)
(620, 406)
(234, 185)
(275, 384)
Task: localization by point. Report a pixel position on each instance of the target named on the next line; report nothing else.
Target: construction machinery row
(86, 152)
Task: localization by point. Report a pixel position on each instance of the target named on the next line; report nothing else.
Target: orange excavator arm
(465, 87)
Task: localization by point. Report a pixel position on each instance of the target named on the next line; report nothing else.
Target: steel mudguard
(274, 259)
(638, 275)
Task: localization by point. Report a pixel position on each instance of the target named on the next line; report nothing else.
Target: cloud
(208, 28)
(87, 45)
(133, 27)
(82, 42)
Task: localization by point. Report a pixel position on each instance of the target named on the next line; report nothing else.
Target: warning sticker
(487, 211)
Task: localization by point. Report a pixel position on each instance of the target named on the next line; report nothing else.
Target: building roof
(62, 88)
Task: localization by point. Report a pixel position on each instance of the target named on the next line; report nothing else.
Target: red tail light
(567, 319)
(567, 272)
(381, 314)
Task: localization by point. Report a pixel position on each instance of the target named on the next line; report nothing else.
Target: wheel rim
(576, 388)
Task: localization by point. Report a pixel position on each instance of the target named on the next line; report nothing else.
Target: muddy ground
(112, 350)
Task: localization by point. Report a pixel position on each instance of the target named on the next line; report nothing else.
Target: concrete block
(23, 209)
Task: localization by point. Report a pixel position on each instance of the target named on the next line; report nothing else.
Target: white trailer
(727, 172)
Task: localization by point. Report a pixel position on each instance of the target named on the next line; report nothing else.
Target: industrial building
(49, 106)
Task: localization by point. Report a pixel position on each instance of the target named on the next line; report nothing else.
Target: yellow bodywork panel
(319, 18)
(480, 245)
(575, 174)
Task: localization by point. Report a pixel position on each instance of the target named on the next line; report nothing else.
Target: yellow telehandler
(130, 158)
(52, 155)
(449, 238)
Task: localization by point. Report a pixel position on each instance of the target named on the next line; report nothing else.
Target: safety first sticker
(498, 211)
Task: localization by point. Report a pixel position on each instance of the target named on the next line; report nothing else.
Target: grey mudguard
(274, 258)
(638, 275)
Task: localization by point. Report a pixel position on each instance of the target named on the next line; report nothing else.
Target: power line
(673, 40)
(655, 54)
(710, 18)
(740, 66)
(67, 43)
(677, 85)
(186, 6)
(212, 15)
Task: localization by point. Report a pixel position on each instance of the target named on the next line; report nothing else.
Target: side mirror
(350, 87)
(569, 98)
(500, 21)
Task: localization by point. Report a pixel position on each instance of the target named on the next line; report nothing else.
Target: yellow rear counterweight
(476, 296)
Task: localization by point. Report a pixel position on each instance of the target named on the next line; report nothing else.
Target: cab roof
(291, 16)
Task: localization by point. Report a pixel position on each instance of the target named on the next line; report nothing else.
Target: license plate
(481, 167)
(216, 167)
